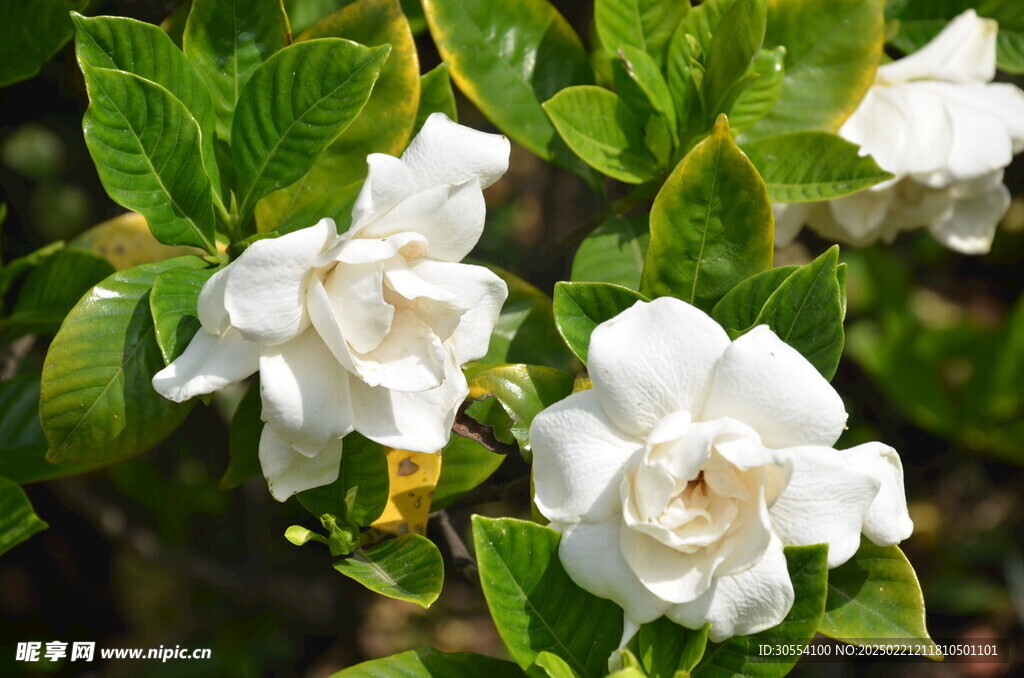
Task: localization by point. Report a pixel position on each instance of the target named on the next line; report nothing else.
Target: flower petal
(744, 603)
(825, 502)
(888, 521)
(859, 219)
(478, 291)
(789, 219)
(305, 393)
(287, 471)
(591, 555)
(208, 364)
(408, 244)
(964, 51)
(578, 457)
(356, 297)
(972, 225)
(654, 359)
(445, 152)
(417, 422)
(765, 383)
(212, 314)
(410, 358)
(388, 182)
(265, 290)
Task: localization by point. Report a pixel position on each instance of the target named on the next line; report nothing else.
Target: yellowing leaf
(413, 478)
(126, 241)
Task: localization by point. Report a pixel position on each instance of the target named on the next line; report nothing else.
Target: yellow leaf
(413, 478)
(126, 241)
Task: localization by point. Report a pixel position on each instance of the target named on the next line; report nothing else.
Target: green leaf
(757, 100)
(735, 42)
(525, 331)
(523, 391)
(146, 51)
(465, 464)
(148, 152)
(580, 307)
(875, 594)
(431, 663)
(31, 33)
(23, 446)
(641, 86)
(174, 304)
(226, 40)
(646, 25)
(551, 665)
(18, 521)
(363, 466)
(244, 439)
(808, 570)
(614, 252)
(665, 647)
(10, 273)
(408, 568)
(599, 127)
(534, 603)
(51, 290)
(832, 52)
(507, 57)
(711, 224)
(294, 105)
(436, 96)
(809, 166)
(738, 310)
(97, 402)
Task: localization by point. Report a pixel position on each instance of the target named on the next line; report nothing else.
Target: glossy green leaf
(738, 310)
(525, 331)
(523, 391)
(832, 52)
(174, 303)
(550, 665)
(640, 84)
(31, 33)
(97, 402)
(23, 446)
(613, 253)
(146, 51)
(431, 663)
(148, 152)
(226, 40)
(645, 25)
(809, 166)
(735, 42)
(508, 57)
(601, 129)
(808, 570)
(18, 521)
(711, 224)
(244, 439)
(679, 65)
(363, 466)
(294, 105)
(664, 647)
(534, 603)
(465, 464)
(580, 307)
(286, 211)
(700, 23)
(757, 101)
(875, 594)
(51, 290)
(436, 96)
(408, 568)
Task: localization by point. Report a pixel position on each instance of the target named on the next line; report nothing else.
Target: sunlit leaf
(408, 568)
(581, 307)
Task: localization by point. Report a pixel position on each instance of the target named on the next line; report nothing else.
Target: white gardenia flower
(365, 331)
(679, 477)
(936, 121)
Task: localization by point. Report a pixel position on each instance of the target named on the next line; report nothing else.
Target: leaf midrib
(707, 221)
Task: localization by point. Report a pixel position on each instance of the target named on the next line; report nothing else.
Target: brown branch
(482, 434)
(461, 557)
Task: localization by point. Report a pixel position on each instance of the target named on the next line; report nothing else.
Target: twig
(13, 354)
(461, 557)
(482, 434)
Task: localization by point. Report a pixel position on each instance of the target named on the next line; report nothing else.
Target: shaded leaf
(581, 307)
(431, 663)
(18, 521)
(174, 303)
(363, 466)
(664, 647)
(614, 252)
(408, 568)
(465, 464)
(31, 33)
(436, 96)
(244, 439)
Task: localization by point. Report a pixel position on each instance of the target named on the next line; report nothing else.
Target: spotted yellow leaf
(413, 477)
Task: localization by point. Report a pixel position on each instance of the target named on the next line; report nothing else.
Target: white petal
(825, 502)
(654, 359)
(327, 323)
(972, 225)
(578, 457)
(445, 152)
(408, 244)
(265, 291)
(859, 219)
(305, 392)
(208, 364)
(417, 422)
(287, 471)
(590, 554)
(450, 217)
(765, 383)
(671, 575)
(789, 219)
(388, 182)
(356, 294)
(410, 358)
(212, 314)
(744, 603)
(964, 51)
(477, 290)
(888, 521)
